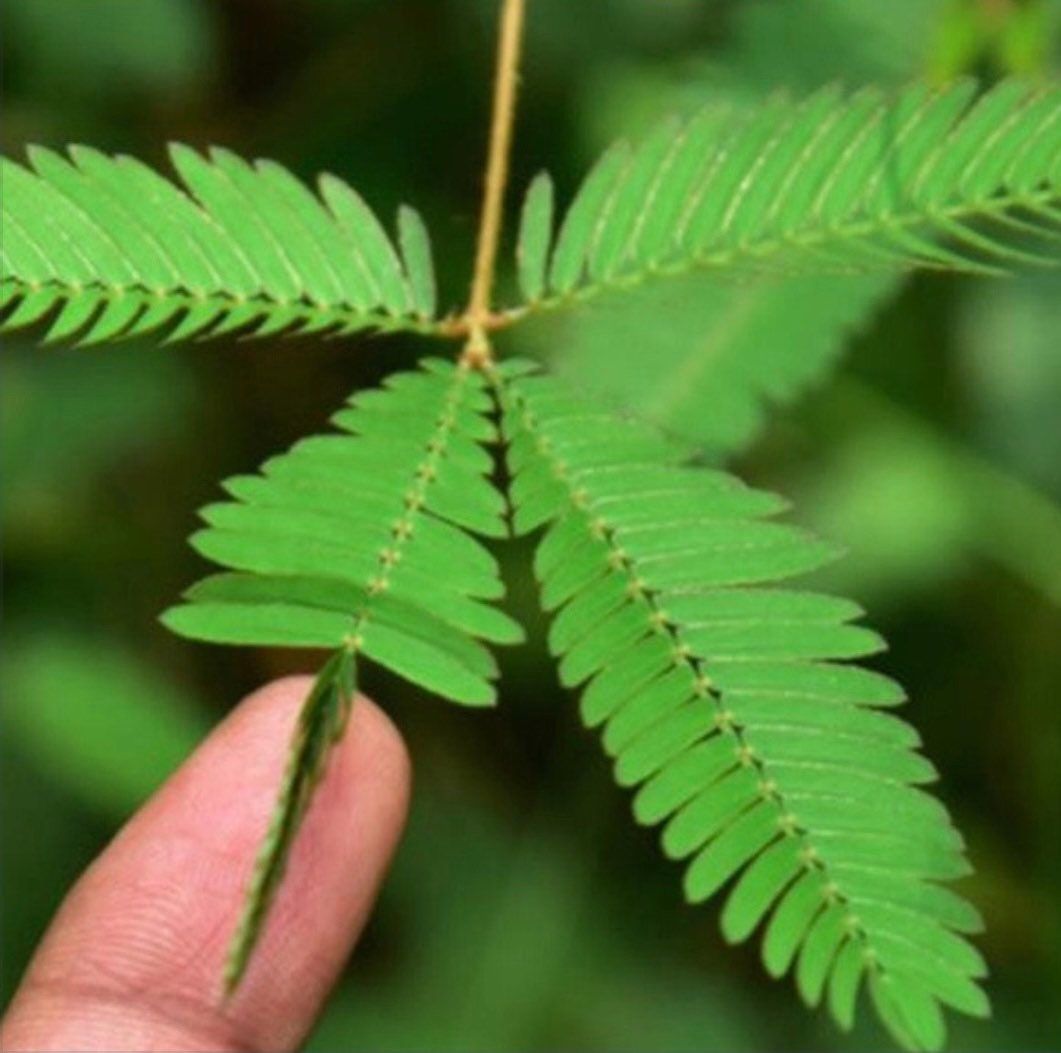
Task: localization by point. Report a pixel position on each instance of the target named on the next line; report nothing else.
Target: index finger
(133, 960)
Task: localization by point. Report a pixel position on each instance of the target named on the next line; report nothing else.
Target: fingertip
(380, 747)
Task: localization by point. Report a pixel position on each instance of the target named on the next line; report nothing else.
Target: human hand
(133, 959)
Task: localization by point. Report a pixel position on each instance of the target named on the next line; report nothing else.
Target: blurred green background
(525, 910)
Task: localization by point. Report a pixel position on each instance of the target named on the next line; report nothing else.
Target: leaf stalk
(477, 316)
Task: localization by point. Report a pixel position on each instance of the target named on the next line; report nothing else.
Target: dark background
(525, 910)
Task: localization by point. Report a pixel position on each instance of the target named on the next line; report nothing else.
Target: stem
(477, 316)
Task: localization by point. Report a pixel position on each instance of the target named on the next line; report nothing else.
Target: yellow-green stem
(477, 316)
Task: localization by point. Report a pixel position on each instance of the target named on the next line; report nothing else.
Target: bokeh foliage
(522, 912)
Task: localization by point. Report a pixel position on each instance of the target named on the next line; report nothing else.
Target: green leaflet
(535, 237)
(729, 705)
(125, 252)
(416, 253)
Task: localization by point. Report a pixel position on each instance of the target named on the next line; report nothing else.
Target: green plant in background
(728, 702)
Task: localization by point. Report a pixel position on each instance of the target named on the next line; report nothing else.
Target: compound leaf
(343, 543)
(728, 704)
(123, 251)
(831, 184)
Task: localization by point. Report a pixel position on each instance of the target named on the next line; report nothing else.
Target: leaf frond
(107, 249)
(361, 542)
(834, 183)
(729, 704)
(362, 539)
(725, 354)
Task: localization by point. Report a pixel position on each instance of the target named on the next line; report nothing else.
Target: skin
(132, 960)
